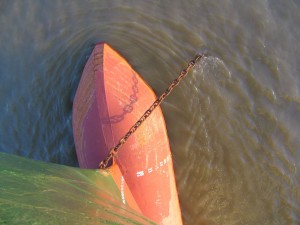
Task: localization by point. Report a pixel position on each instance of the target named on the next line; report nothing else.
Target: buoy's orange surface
(110, 98)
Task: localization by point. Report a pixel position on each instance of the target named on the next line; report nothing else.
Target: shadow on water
(46, 111)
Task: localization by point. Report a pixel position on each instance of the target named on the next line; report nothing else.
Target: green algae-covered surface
(34, 192)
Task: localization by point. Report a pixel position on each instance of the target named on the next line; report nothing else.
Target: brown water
(234, 122)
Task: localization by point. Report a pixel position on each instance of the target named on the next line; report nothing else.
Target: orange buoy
(110, 98)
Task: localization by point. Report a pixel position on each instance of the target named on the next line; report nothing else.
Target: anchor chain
(113, 151)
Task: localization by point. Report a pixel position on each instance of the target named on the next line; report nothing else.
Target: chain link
(113, 151)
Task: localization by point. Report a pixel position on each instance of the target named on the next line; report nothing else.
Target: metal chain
(113, 151)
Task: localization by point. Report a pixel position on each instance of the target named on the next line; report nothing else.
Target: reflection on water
(233, 123)
(34, 192)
